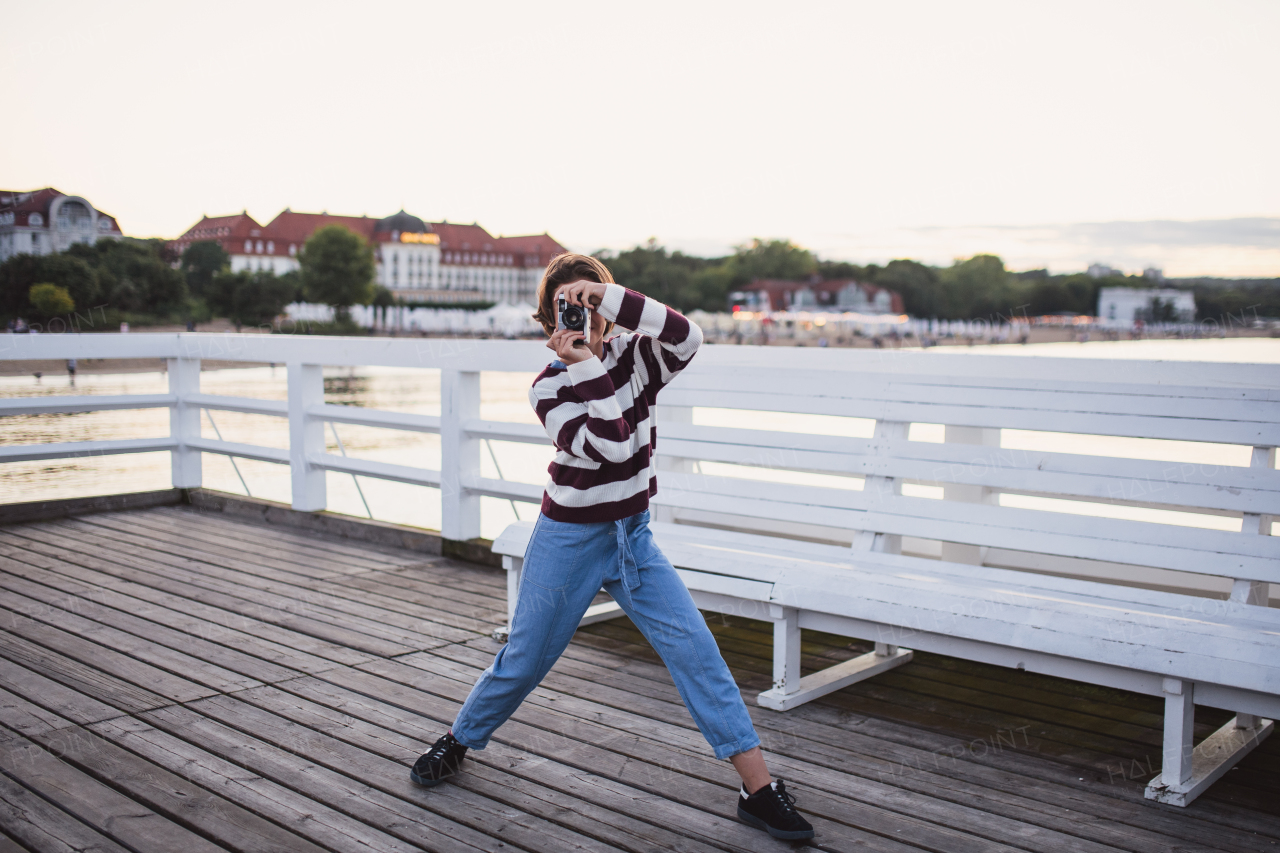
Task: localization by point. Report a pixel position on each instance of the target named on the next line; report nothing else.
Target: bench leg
(790, 689)
(1187, 771)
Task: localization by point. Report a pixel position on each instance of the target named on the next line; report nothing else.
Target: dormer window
(271, 247)
(259, 247)
(293, 250)
(248, 246)
(35, 220)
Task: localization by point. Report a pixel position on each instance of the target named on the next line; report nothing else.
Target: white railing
(800, 375)
(461, 430)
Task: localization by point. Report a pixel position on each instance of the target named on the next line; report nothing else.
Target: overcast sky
(865, 130)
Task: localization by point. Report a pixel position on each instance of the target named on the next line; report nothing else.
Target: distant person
(71, 370)
(124, 327)
(596, 402)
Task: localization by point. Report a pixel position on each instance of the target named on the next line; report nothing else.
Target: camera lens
(573, 318)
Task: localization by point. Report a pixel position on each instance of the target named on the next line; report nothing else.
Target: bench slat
(1227, 488)
(1100, 399)
(1132, 426)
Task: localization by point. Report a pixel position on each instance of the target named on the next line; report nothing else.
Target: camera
(575, 318)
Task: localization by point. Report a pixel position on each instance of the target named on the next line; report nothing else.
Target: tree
(916, 283)
(200, 262)
(19, 273)
(48, 300)
(135, 276)
(249, 298)
(837, 270)
(337, 269)
(651, 270)
(977, 287)
(779, 259)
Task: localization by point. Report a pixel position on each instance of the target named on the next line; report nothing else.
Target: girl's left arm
(673, 337)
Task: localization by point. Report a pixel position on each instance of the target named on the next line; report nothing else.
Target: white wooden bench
(1166, 609)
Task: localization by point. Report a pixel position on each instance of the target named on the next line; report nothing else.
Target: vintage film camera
(575, 318)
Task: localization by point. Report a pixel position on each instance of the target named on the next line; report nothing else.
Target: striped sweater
(599, 414)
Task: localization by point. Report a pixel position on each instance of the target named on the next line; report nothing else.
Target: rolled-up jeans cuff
(741, 745)
(469, 744)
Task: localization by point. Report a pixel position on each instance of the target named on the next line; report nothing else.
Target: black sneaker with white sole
(773, 809)
(438, 763)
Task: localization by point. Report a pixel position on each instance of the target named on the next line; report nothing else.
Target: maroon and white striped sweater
(599, 413)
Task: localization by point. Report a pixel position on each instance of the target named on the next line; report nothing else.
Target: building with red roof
(417, 261)
(40, 222)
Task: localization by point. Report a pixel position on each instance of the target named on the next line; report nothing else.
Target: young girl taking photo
(596, 401)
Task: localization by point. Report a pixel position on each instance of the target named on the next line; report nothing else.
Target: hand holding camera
(572, 338)
(570, 346)
(585, 294)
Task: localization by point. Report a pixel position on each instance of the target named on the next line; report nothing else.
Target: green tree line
(142, 281)
(972, 288)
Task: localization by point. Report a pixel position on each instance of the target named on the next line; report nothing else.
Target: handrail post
(1246, 590)
(459, 455)
(306, 436)
(960, 552)
(184, 422)
(674, 466)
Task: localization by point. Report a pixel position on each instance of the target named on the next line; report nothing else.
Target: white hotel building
(41, 222)
(417, 261)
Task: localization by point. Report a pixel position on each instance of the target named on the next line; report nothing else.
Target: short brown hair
(564, 269)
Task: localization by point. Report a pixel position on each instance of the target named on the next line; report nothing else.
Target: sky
(1052, 133)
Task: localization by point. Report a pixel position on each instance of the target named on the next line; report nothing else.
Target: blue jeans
(564, 567)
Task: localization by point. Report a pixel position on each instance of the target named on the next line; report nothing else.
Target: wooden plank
(843, 824)
(315, 825)
(904, 765)
(891, 707)
(1137, 542)
(172, 541)
(354, 608)
(903, 727)
(964, 391)
(170, 792)
(238, 537)
(201, 662)
(598, 799)
(101, 807)
(485, 806)
(374, 631)
(336, 546)
(246, 613)
(1088, 423)
(181, 616)
(827, 791)
(44, 828)
(80, 676)
(373, 807)
(1070, 474)
(25, 718)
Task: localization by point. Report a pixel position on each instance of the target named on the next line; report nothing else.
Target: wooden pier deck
(178, 681)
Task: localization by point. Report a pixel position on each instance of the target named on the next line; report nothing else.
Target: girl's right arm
(579, 409)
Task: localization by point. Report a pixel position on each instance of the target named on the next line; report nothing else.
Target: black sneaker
(438, 763)
(773, 809)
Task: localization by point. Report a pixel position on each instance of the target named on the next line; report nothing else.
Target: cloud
(1247, 246)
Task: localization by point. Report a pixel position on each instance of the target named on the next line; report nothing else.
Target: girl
(596, 402)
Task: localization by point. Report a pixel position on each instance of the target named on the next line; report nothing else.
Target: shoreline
(1043, 341)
